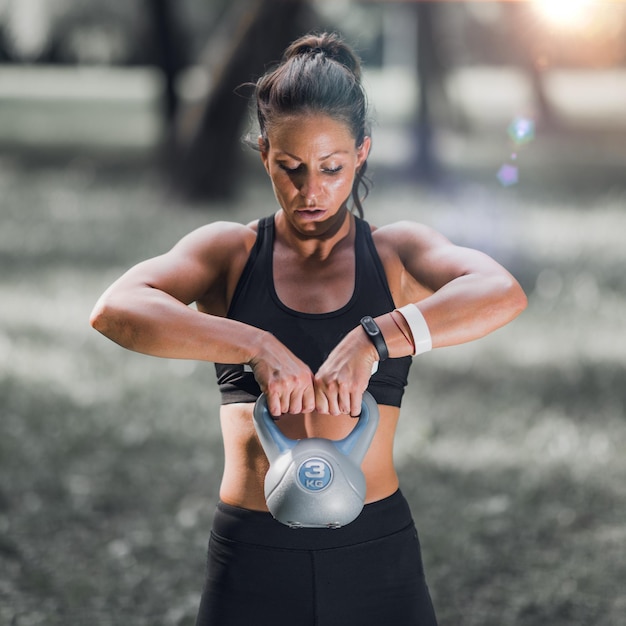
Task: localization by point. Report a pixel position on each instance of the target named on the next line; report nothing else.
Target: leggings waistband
(378, 519)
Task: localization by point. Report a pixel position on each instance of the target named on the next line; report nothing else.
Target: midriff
(245, 463)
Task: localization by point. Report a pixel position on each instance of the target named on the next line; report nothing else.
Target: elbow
(102, 314)
(522, 301)
(97, 317)
(111, 322)
(514, 297)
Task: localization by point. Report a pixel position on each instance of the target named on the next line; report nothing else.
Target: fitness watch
(373, 332)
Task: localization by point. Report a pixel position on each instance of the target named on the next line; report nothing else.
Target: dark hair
(319, 73)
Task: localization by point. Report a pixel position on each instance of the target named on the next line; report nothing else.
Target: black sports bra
(310, 336)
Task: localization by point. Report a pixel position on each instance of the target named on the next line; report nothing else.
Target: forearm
(152, 322)
(467, 308)
(471, 307)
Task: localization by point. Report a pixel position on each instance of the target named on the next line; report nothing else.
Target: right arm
(147, 310)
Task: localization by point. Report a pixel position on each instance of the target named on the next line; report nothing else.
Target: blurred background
(502, 124)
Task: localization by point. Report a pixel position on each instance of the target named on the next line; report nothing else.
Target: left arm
(472, 295)
(465, 295)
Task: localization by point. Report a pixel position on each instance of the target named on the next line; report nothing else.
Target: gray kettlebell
(315, 482)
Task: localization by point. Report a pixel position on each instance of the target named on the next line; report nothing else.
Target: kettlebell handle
(354, 445)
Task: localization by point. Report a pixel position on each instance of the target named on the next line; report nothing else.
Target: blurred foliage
(511, 449)
(87, 31)
(118, 31)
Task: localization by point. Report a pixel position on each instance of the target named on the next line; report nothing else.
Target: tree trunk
(208, 165)
(170, 57)
(428, 70)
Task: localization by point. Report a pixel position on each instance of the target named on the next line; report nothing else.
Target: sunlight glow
(566, 14)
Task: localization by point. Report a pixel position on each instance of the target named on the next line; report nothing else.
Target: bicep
(178, 276)
(434, 261)
(196, 264)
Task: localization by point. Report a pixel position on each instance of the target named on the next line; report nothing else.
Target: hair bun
(328, 44)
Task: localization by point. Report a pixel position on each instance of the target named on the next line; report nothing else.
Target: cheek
(341, 185)
(281, 182)
(284, 188)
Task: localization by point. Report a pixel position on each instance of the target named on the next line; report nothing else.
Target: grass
(511, 449)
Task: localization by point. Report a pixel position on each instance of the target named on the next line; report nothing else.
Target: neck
(319, 244)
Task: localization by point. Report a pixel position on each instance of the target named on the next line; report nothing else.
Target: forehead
(310, 133)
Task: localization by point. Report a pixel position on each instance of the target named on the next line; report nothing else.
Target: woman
(281, 305)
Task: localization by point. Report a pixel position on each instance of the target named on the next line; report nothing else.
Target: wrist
(375, 336)
(396, 335)
(361, 344)
(258, 344)
(420, 333)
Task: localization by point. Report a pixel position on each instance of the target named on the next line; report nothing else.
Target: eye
(290, 170)
(333, 170)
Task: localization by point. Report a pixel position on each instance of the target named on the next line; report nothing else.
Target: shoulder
(223, 229)
(403, 248)
(430, 257)
(217, 240)
(214, 250)
(254, 225)
(406, 237)
(206, 262)
(404, 229)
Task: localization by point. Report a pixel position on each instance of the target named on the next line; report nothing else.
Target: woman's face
(312, 160)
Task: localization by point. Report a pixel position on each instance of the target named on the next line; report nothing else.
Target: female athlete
(279, 308)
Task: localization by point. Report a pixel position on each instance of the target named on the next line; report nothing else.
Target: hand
(344, 376)
(285, 380)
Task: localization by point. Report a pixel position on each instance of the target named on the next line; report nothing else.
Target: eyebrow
(327, 156)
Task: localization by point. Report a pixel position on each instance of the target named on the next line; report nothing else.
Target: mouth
(311, 212)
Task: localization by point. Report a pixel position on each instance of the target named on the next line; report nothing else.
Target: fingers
(285, 380)
(344, 376)
(294, 402)
(293, 396)
(337, 387)
(322, 404)
(274, 404)
(356, 401)
(308, 400)
(301, 400)
(291, 388)
(336, 398)
(318, 395)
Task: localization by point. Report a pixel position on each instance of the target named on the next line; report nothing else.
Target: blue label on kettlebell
(315, 474)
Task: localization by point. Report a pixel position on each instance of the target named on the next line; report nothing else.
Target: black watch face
(370, 325)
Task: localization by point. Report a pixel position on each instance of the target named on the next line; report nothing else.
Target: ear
(362, 152)
(263, 149)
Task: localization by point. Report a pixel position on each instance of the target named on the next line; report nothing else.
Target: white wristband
(419, 328)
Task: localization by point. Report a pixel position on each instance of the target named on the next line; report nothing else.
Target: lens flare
(508, 175)
(521, 130)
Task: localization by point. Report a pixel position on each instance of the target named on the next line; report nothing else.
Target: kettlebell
(315, 482)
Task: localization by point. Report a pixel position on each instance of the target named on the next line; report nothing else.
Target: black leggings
(367, 573)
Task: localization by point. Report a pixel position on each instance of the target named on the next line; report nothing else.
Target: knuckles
(329, 393)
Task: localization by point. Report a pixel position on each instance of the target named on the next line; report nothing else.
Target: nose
(310, 188)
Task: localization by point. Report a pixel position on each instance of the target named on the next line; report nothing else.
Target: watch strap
(376, 337)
